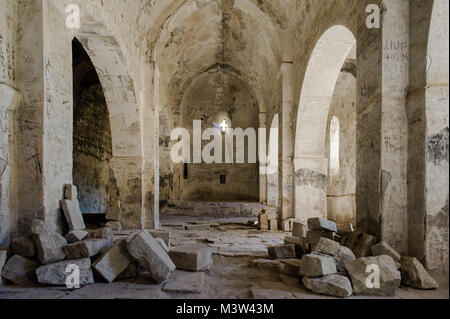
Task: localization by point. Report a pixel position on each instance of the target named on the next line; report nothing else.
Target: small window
(186, 171)
(334, 146)
(223, 179)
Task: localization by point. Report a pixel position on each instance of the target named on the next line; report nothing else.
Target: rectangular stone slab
(151, 256)
(18, 270)
(70, 192)
(164, 235)
(322, 224)
(56, 275)
(285, 251)
(49, 247)
(191, 257)
(114, 262)
(87, 248)
(73, 215)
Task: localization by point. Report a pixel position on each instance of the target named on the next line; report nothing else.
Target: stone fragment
(19, 270)
(327, 246)
(38, 226)
(163, 244)
(350, 239)
(73, 215)
(263, 222)
(285, 251)
(56, 274)
(384, 248)
(273, 225)
(268, 264)
(114, 225)
(151, 256)
(291, 266)
(331, 285)
(414, 275)
(301, 245)
(314, 265)
(390, 277)
(344, 228)
(313, 237)
(322, 224)
(343, 256)
(183, 282)
(70, 192)
(363, 245)
(114, 262)
(298, 229)
(192, 257)
(49, 247)
(133, 270)
(23, 246)
(87, 248)
(75, 236)
(164, 235)
(101, 233)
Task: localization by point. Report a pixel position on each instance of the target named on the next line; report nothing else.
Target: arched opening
(311, 161)
(92, 143)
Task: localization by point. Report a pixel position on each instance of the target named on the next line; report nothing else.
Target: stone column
(286, 132)
(263, 166)
(394, 128)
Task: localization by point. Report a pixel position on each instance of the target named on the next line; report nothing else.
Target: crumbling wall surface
(9, 99)
(341, 186)
(214, 97)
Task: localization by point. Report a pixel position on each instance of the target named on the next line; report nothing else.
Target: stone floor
(231, 277)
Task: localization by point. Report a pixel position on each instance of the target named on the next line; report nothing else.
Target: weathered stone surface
(271, 213)
(343, 256)
(114, 262)
(327, 246)
(301, 245)
(151, 256)
(70, 192)
(3, 256)
(38, 226)
(268, 264)
(87, 248)
(322, 224)
(192, 257)
(19, 270)
(101, 233)
(345, 228)
(363, 245)
(73, 215)
(75, 236)
(164, 235)
(349, 240)
(133, 270)
(263, 221)
(389, 275)
(163, 244)
(56, 274)
(49, 247)
(313, 236)
(298, 229)
(114, 225)
(285, 251)
(183, 282)
(273, 225)
(384, 248)
(291, 266)
(414, 274)
(331, 285)
(314, 265)
(23, 246)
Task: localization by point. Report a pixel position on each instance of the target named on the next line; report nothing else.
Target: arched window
(334, 146)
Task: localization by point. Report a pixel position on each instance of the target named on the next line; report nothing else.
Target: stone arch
(125, 120)
(311, 165)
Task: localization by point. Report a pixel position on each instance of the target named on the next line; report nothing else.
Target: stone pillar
(263, 166)
(286, 142)
(394, 130)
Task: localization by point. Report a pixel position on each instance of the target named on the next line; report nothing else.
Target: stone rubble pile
(48, 258)
(337, 260)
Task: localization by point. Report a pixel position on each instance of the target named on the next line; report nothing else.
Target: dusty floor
(231, 277)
